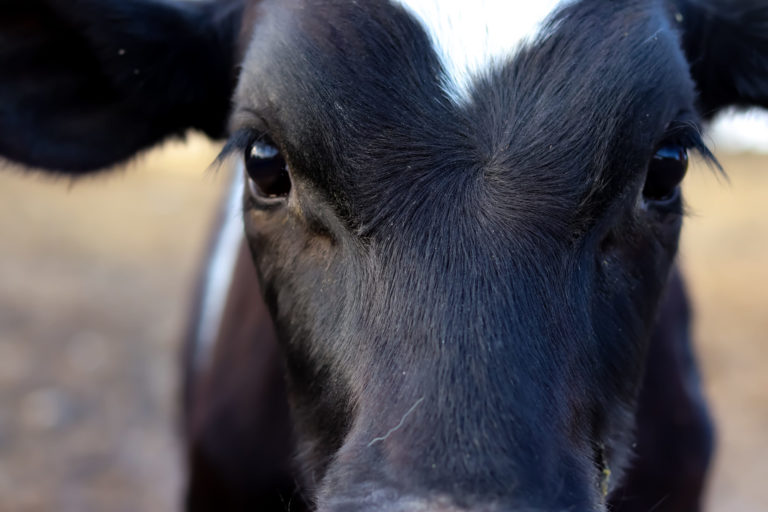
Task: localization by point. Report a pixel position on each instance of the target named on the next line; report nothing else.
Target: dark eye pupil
(665, 172)
(267, 170)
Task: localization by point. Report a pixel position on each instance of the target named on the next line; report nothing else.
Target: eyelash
(687, 134)
(239, 141)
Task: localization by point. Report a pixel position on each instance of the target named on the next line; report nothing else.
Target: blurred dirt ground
(95, 280)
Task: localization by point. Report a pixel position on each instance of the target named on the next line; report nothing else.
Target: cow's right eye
(665, 172)
(267, 171)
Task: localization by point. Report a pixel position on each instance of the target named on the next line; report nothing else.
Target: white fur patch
(739, 132)
(219, 272)
(471, 37)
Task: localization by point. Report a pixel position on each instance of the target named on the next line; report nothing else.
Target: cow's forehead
(368, 88)
(304, 51)
(473, 37)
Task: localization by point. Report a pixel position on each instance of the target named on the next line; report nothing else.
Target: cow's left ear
(726, 43)
(88, 83)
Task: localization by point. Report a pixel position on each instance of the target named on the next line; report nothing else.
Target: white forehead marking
(471, 37)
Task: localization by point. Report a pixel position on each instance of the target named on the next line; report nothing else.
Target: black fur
(88, 83)
(464, 294)
(727, 46)
(675, 436)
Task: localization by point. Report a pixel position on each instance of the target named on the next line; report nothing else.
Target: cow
(457, 287)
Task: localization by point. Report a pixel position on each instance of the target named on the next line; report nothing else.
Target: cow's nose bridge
(418, 461)
(457, 399)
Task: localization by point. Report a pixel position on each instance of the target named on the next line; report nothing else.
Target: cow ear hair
(88, 83)
(726, 44)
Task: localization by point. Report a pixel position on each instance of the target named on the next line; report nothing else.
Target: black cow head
(463, 283)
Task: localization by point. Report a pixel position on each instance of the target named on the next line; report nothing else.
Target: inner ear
(726, 44)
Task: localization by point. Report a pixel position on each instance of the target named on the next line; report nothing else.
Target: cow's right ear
(726, 43)
(88, 83)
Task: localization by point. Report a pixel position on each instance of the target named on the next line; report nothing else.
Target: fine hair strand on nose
(396, 427)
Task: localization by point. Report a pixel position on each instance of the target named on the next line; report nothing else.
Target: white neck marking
(220, 272)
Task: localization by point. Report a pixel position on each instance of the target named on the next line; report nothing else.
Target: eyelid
(249, 118)
(685, 131)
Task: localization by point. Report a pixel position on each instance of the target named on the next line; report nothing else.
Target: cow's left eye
(267, 171)
(665, 173)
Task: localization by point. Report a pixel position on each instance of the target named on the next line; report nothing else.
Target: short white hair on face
(471, 37)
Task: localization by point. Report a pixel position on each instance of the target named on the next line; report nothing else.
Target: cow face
(462, 270)
(462, 246)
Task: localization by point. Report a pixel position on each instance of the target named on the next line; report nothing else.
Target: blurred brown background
(96, 278)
